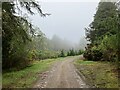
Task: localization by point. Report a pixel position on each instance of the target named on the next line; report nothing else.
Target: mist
(65, 26)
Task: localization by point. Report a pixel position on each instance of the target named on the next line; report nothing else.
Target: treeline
(103, 34)
(17, 34)
(70, 52)
(22, 42)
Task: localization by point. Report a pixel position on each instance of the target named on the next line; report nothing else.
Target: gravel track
(62, 75)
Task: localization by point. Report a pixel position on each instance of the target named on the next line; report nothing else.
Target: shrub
(62, 54)
(93, 54)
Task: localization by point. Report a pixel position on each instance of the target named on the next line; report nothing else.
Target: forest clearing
(61, 73)
(67, 48)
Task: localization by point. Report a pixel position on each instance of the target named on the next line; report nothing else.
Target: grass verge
(25, 77)
(98, 74)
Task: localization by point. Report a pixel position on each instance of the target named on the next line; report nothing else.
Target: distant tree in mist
(62, 54)
(58, 44)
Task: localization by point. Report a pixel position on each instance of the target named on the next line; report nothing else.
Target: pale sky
(67, 19)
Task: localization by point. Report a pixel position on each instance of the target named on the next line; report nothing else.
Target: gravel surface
(62, 75)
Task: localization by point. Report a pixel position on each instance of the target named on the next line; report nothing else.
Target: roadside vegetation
(26, 77)
(102, 63)
(26, 51)
(103, 34)
(98, 74)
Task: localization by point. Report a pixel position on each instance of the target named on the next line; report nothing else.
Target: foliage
(15, 38)
(94, 54)
(62, 54)
(102, 34)
(16, 34)
(73, 52)
(80, 52)
(47, 54)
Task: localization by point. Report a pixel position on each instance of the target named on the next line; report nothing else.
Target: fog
(67, 21)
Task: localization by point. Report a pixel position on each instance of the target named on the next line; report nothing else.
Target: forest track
(62, 75)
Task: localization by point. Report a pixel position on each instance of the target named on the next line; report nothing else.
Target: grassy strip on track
(98, 74)
(25, 77)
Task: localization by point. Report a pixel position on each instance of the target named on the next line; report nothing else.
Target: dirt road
(62, 75)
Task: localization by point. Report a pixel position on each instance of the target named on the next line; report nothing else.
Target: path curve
(62, 75)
